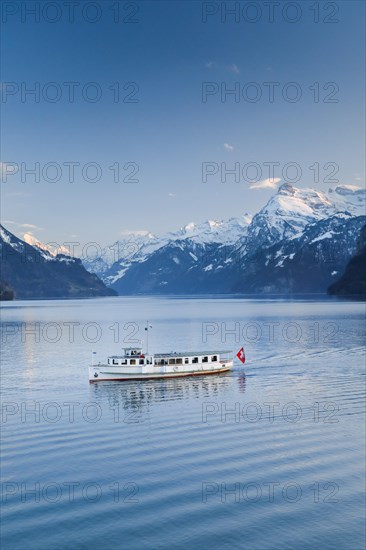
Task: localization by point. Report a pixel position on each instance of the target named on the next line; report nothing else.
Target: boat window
(214, 358)
(205, 360)
(132, 361)
(186, 360)
(195, 360)
(115, 362)
(124, 362)
(179, 361)
(171, 361)
(141, 362)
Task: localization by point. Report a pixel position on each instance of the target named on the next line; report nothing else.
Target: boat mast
(147, 336)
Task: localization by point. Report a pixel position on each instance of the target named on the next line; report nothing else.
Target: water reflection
(140, 394)
(241, 382)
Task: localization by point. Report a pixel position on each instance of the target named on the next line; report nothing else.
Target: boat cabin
(133, 352)
(131, 357)
(136, 357)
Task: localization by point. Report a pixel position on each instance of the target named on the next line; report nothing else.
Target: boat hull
(101, 372)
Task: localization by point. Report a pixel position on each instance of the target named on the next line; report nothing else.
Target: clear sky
(177, 121)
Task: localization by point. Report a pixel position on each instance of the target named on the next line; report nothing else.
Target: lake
(268, 456)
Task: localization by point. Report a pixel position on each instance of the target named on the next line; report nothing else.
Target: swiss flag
(241, 355)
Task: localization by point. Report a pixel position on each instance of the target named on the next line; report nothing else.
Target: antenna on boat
(147, 336)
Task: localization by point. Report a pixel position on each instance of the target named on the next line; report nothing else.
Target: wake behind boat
(135, 365)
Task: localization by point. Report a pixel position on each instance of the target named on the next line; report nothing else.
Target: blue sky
(170, 53)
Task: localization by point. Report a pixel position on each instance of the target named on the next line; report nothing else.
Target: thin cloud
(23, 225)
(172, 195)
(228, 147)
(30, 226)
(268, 183)
(210, 64)
(234, 68)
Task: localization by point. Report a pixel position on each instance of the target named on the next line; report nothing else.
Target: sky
(152, 109)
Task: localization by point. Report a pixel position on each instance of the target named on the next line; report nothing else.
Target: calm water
(268, 456)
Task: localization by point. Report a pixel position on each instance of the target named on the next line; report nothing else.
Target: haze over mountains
(300, 242)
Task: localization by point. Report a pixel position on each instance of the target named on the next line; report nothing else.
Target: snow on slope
(138, 246)
(285, 216)
(46, 248)
(349, 198)
(18, 244)
(291, 209)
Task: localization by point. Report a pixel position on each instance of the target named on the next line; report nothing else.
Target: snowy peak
(35, 273)
(214, 231)
(291, 200)
(286, 189)
(11, 240)
(138, 246)
(285, 217)
(349, 190)
(349, 198)
(45, 249)
(48, 252)
(291, 209)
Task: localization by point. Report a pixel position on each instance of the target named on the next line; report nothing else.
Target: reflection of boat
(134, 365)
(138, 395)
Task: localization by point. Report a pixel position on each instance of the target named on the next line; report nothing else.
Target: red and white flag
(241, 355)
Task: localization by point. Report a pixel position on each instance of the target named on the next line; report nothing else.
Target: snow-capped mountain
(137, 247)
(230, 256)
(33, 272)
(48, 249)
(290, 210)
(292, 236)
(308, 263)
(218, 232)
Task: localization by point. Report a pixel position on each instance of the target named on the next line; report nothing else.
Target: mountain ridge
(33, 272)
(297, 230)
(285, 216)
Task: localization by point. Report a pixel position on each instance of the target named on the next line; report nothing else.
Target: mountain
(299, 242)
(298, 230)
(352, 283)
(117, 259)
(53, 250)
(307, 263)
(291, 210)
(180, 267)
(36, 273)
(6, 292)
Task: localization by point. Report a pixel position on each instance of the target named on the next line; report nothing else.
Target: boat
(133, 364)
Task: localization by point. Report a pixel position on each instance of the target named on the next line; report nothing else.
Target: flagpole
(147, 337)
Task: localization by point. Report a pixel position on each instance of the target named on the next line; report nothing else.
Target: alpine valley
(300, 242)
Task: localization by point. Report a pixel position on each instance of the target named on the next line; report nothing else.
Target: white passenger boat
(135, 365)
